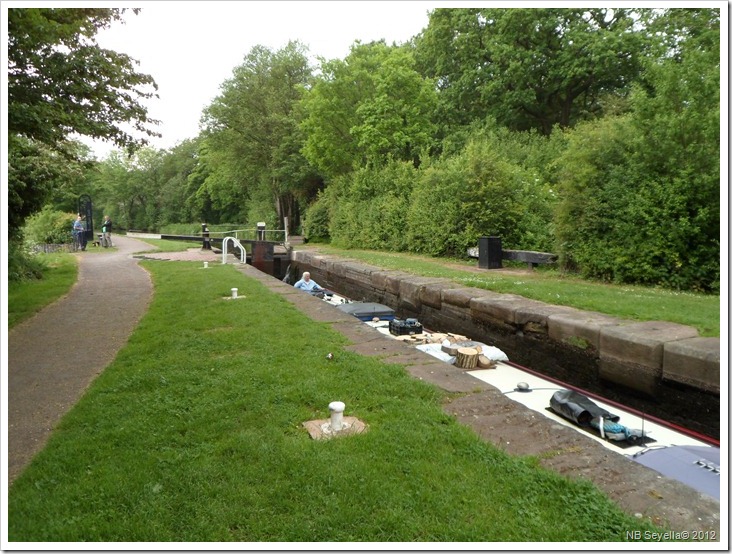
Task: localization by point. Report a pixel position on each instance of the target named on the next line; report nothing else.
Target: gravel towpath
(56, 354)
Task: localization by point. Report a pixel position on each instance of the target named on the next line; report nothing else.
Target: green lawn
(194, 433)
(624, 301)
(26, 298)
(159, 245)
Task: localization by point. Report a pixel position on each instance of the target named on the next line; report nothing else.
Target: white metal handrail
(224, 250)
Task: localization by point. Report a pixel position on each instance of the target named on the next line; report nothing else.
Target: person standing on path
(78, 233)
(107, 231)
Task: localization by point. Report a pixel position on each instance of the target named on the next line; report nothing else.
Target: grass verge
(26, 298)
(553, 287)
(194, 433)
(159, 245)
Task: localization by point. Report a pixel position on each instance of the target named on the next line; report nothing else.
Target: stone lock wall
(665, 362)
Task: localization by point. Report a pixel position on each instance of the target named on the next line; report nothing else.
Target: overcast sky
(190, 48)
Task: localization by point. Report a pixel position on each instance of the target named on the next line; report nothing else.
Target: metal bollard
(336, 415)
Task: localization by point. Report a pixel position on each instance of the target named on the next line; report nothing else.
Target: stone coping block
(392, 281)
(410, 289)
(431, 293)
(499, 307)
(693, 362)
(309, 258)
(461, 296)
(387, 280)
(356, 272)
(302, 256)
(641, 343)
(579, 324)
(537, 314)
(331, 266)
(446, 377)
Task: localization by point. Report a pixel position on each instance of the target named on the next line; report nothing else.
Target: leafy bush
(316, 221)
(371, 207)
(434, 214)
(49, 226)
(23, 264)
(626, 219)
(474, 194)
(442, 208)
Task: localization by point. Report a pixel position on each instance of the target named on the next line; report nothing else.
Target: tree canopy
(593, 133)
(528, 68)
(61, 83)
(253, 126)
(370, 106)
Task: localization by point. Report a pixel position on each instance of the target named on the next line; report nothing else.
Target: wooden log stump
(484, 362)
(450, 349)
(467, 358)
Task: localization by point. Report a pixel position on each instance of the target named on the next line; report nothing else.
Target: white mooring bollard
(234, 293)
(336, 415)
(205, 265)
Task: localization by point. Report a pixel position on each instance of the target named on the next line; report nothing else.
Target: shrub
(316, 221)
(623, 221)
(23, 264)
(369, 207)
(474, 194)
(49, 226)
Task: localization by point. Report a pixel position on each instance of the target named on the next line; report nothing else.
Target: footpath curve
(56, 354)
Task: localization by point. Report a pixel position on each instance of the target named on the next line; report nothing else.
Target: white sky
(191, 48)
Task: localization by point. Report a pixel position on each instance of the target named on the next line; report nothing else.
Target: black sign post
(490, 253)
(85, 211)
(206, 245)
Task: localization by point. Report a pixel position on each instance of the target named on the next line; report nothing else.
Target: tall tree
(640, 193)
(177, 166)
(528, 68)
(253, 123)
(371, 106)
(60, 82)
(129, 188)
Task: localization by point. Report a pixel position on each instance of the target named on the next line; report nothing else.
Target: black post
(260, 230)
(206, 240)
(85, 211)
(490, 253)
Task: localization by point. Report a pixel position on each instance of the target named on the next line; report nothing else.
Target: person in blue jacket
(308, 285)
(79, 234)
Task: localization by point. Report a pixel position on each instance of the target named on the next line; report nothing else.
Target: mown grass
(194, 433)
(159, 245)
(26, 298)
(547, 285)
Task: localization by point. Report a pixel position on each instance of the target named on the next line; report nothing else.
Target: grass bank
(194, 433)
(26, 298)
(553, 287)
